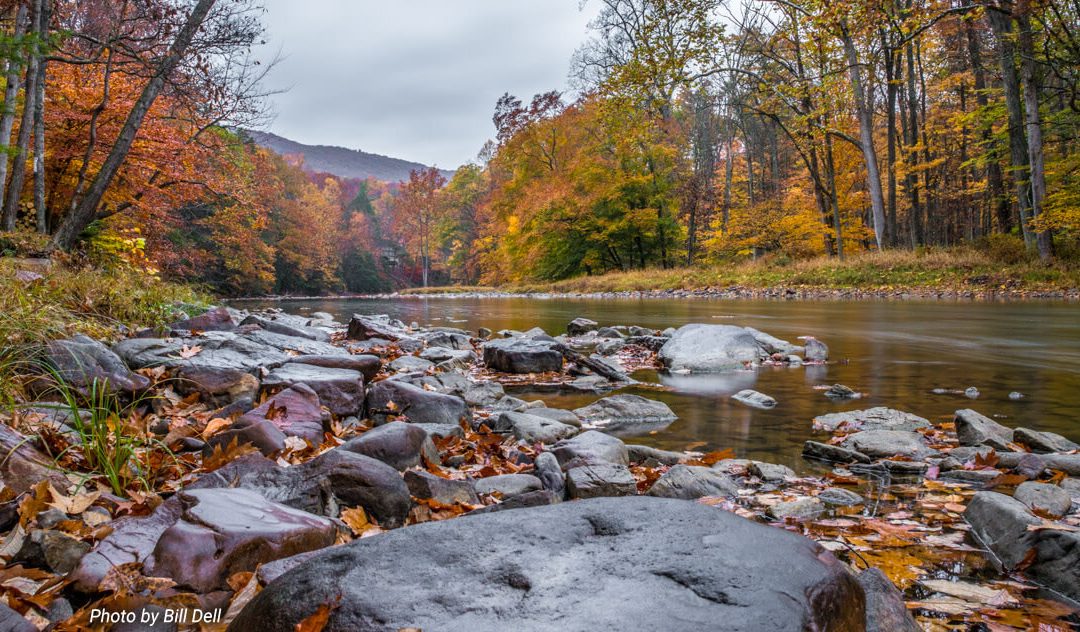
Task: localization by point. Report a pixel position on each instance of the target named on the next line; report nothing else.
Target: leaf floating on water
(971, 592)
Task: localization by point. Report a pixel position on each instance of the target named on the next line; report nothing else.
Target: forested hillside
(721, 131)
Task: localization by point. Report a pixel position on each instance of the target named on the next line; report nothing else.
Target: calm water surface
(894, 352)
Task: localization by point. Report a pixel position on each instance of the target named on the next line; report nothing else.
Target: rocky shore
(300, 473)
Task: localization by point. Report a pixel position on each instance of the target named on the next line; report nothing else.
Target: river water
(895, 352)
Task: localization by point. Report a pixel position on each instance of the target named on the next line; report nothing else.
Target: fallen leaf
(189, 352)
(318, 619)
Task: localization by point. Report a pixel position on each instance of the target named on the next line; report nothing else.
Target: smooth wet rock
(841, 392)
(287, 326)
(1043, 442)
(816, 350)
(885, 608)
(591, 446)
(1030, 466)
(771, 472)
(536, 498)
(366, 364)
(877, 418)
(977, 477)
(971, 392)
(12, 621)
(974, 429)
(600, 479)
(887, 443)
(1043, 499)
(610, 347)
(340, 390)
(398, 444)
(507, 484)
(1049, 556)
(522, 355)
(263, 434)
(484, 394)
(22, 465)
(295, 411)
(832, 453)
(363, 327)
(772, 344)
(557, 414)
(550, 473)
(216, 385)
(446, 491)
(800, 509)
(409, 363)
(335, 479)
(646, 454)
(415, 404)
(216, 319)
(609, 332)
(1068, 463)
(626, 414)
(531, 428)
(690, 482)
(840, 497)
(700, 348)
(1016, 395)
(221, 532)
(638, 576)
(80, 361)
(581, 326)
(754, 399)
(249, 351)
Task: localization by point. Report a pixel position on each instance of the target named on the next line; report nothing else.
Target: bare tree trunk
(918, 236)
(87, 210)
(864, 109)
(11, 94)
(1033, 125)
(1001, 23)
(39, 121)
(26, 125)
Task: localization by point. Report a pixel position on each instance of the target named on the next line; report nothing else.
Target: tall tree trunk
(39, 120)
(918, 235)
(1033, 124)
(26, 126)
(995, 179)
(87, 210)
(1001, 23)
(891, 59)
(11, 94)
(864, 109)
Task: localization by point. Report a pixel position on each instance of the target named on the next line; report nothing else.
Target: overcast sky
(414, 79)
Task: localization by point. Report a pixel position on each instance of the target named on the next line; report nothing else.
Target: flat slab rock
(626, 414)
(601, 564)
(877, 418)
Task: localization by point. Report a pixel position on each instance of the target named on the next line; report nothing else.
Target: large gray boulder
(600, 479)
(591, 446)
(702, 348)
(399, 445)
(621, 564)
(691, 482)
(973, 428)
(532, 428)
(396, 398)
(522, 355)
(1049, 556)
(626, 414)
(248, 351)
(80, 361)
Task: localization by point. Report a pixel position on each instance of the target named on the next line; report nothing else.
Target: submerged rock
(537, 561)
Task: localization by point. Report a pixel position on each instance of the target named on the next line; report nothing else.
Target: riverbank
(367, 438)
(947, 275)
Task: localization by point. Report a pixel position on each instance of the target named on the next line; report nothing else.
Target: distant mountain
(342, 162)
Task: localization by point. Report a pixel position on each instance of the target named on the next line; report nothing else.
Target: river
(895, 352)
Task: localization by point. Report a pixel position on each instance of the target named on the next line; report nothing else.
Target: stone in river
(754, 399)
(691, 482)
(507, 484)
(600, 479)
(340, 390)
(816, 350)
(800, 509)
(392, 398)
(581, 326)
(700, 348)
(1043, 442)
(522, 355)
(600, 565)
(591, 446)
(626, 413)
(877, 418)
(886, 443)
(832, 453)
(1044, 499)
(398, 444)
(974, 429)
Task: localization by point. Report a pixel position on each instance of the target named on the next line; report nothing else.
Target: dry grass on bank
(956, 269)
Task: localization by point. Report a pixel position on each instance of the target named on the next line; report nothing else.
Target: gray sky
(414, 79)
